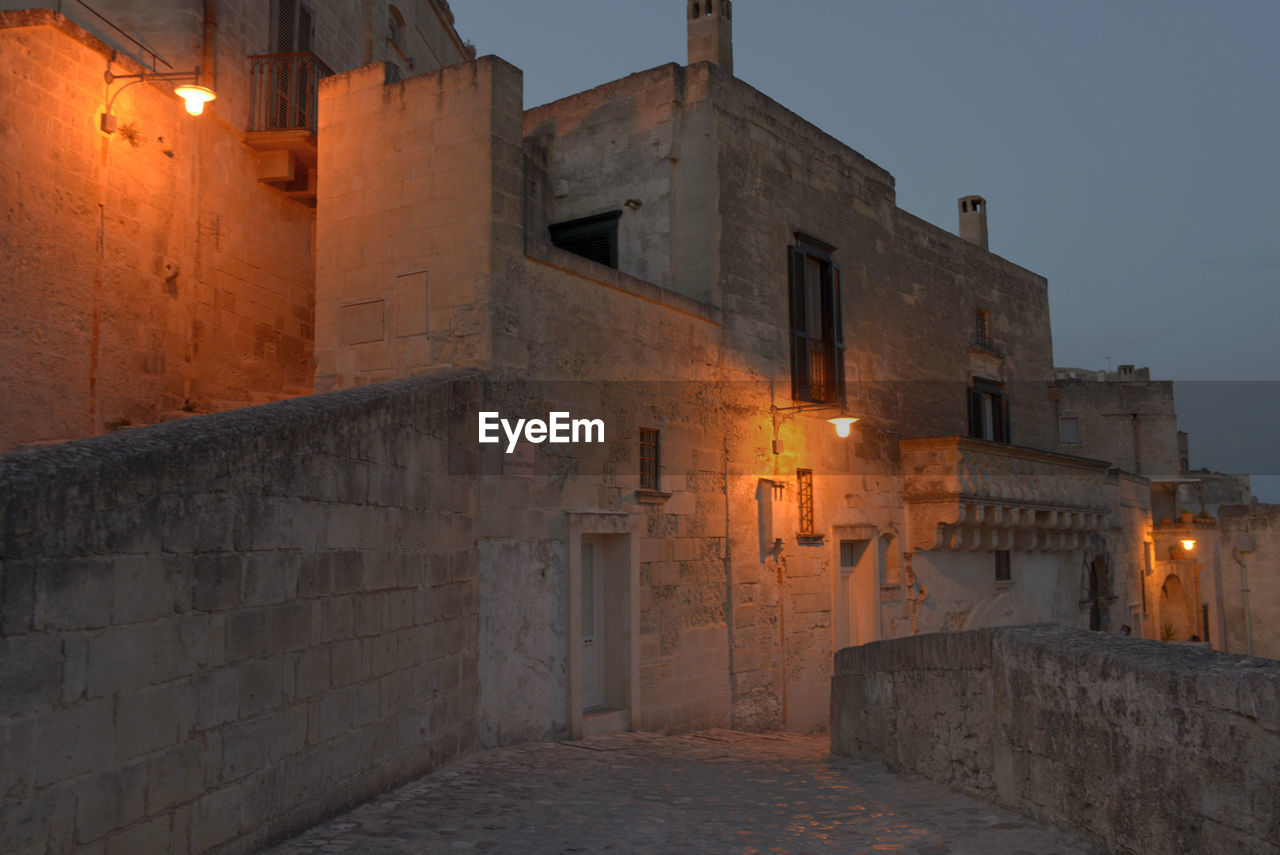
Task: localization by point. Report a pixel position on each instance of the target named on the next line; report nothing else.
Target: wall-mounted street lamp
(191, 92)
(1189, 544)
(843, 421)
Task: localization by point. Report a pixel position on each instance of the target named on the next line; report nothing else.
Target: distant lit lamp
(1189, 544)
(843, 425)
(193, 94)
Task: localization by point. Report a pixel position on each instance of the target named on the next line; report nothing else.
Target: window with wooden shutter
(989, 411)
(817, 327)
(294, 27)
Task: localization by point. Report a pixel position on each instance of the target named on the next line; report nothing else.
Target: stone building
(672, 257)
(167, 267)
(1192, 579)
(685, 259)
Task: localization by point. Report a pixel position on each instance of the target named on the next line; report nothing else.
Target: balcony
(963, 493)
(282, 120)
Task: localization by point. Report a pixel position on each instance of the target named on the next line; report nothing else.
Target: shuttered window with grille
(650, 458)
(817, 323)
(804, 490)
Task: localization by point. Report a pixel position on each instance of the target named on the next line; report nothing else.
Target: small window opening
(1004, 569)
(1069, 430)
(650, 458)
(983, 328)
(709, 8)
(595, 238)
(697, 10)
(804, 480)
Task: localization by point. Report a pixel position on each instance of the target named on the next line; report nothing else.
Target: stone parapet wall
(220, 630)
(1151, 747)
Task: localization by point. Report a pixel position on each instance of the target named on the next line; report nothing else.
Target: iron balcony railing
(283, 90)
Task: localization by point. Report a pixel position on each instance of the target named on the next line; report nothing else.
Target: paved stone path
(711, 792)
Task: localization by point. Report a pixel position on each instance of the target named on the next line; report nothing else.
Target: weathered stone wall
(1150, 747)
(219, 630)
(419, 209)
(148, 273)
(575, 336)
(1261, 526)
(1131, 423)
(641, 145)
(347, 34)
(143, 274)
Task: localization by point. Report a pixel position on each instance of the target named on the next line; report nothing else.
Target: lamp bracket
(108, 123)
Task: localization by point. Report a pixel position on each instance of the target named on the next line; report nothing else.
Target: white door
(592, 625)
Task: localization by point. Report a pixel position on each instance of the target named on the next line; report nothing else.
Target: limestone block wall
(1131, 423)
(574, 336)
(146, 274)
(910, 289)
(641, 145)
(217, 631)
(419, 207)
(1150, 747)
(1260, 526)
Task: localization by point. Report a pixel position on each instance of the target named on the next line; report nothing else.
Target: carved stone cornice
(963, 493)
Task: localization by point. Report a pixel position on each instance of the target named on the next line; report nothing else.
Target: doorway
(857, 593)
(1176, 616)
(593, 636)
(602, 655)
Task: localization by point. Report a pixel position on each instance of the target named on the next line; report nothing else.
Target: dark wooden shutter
(286, 25)
(306, 28)
(1000, 415)
(837, 332)
(800, 373)
(975, 413)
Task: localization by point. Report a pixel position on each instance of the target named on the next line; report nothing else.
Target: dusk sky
(1127, 150)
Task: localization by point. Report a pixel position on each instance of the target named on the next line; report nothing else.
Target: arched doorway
(1176, 621)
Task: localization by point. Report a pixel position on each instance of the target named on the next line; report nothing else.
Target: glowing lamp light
(195, 96)
(1188, 544)
(843, 425)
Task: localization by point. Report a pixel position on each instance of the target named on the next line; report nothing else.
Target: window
(1069, 430)
(594, 237)
(988, 411)
(294, 92)
(804, 480)
(1004, 569)
(817, 335)
(650, 458)
(294, 26)
(982, 331)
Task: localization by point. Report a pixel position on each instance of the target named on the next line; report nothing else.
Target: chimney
(973, 220)
(711, 32)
